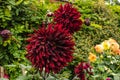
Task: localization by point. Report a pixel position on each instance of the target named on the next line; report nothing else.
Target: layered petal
(50, 48)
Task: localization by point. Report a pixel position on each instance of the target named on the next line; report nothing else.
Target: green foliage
(103, 26)
(116, 10)
(3, 79)
(20, 17)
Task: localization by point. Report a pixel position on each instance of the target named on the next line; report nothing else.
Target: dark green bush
(20, 17)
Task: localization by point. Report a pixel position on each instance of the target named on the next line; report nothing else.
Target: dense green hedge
(20, 17)
(104, 25)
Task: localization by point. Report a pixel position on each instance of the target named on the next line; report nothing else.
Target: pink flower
(6, 76)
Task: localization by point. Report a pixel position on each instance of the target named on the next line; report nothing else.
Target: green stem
(117, 68)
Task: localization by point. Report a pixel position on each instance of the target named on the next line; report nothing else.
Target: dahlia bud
(108, 78)
(6, 76)
(87, 22)
(5, 34)
(49, 14)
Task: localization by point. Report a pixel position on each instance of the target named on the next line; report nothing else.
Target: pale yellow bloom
(117, 52)
(114, 47)
(92, 57)
(111, 40)
(106, 44)
(99, 48)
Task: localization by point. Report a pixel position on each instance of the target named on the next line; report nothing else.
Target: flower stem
(44, 78)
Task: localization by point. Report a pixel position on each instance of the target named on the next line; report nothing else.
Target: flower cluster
(82, 69)
(104, 57)
(50, 48)
(68, 16)
(110, 44)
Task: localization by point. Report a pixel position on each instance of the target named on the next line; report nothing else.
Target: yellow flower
(92, 57)
(99, 48)
(106, 44)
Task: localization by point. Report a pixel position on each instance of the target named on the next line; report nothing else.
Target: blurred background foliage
(22, 16)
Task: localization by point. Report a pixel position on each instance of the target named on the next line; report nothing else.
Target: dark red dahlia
(5, 34)
(68, 16)
(82, 69)
(50, 48)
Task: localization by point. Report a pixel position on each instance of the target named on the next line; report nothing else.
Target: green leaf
(12, 2)
(3, 79)
(19, 2)
(9, 7)
(1, 40)
(117, 77)
(51, 78)
(5, 43)
(96, 25)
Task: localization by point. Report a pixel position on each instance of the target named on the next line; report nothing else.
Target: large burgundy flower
(50, 48)
(69, 17)
(82, 69)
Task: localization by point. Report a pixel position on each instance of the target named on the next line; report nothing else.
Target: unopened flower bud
(87, 22)
(5, 34)
(50, 14)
